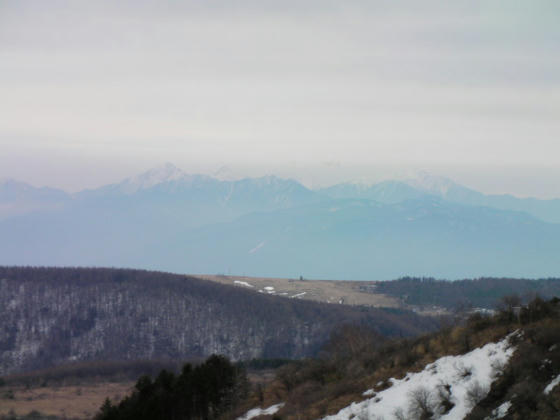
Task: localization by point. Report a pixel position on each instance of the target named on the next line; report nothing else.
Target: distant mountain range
(169, 220)
(391, 192)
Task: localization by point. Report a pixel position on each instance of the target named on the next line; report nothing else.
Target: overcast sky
(92, 91)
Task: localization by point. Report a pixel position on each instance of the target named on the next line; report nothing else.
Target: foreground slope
(505, 366)
(455, 378)
(51, 316)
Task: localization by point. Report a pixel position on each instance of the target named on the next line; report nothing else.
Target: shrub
(478, 322)
(444, 402)
(421, 405)
(476, 393)
(462, 370)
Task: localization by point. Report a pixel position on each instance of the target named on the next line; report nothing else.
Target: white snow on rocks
(500, 412)
(165, 173)
(463, 378)
(552, 385)
(255, 412)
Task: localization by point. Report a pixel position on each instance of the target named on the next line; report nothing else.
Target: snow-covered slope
(432, 184)
(426, 184)
(155, 176)
(460, 380)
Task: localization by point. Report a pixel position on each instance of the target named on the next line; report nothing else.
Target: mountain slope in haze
(169, 220)
(113, 225)
(546, 210)
(17, 198)
(360, 240)
(164, 192)
(428, 185)
(50, 316)
(171, 186)
(346, 239)
(388, 192)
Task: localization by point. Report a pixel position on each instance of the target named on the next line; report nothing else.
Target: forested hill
(50, 316)
(479, 293)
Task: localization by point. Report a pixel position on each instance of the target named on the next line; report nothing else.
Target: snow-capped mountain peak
(158, 175)
(12, 183)
(225, 173)
(431, 183)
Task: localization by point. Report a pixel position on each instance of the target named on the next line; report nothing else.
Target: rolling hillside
(51, 316)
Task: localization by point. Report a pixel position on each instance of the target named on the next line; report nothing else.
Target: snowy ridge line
(255, 412)
(462, 380)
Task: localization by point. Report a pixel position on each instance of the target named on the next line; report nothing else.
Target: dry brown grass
(374, 366)
(329, 291)
(71, 402)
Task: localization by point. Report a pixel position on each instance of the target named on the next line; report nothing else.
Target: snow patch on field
(255, 412)
(298, 295)
(242, 283)
(462, 378)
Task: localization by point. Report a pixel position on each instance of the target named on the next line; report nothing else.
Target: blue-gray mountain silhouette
(165, 219)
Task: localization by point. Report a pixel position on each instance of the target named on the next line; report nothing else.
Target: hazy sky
(91, 91)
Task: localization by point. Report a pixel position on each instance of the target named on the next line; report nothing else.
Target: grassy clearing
(69, 402)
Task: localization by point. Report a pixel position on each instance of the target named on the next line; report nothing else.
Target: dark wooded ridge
(479, 293)
(85, 314)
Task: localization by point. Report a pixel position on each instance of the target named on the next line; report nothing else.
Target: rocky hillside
(50, 316)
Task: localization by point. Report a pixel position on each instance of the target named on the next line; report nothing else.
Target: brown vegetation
(327, 291)
(69, 402)
(352, 362)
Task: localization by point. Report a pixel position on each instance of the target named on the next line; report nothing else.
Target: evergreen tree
(203, 392)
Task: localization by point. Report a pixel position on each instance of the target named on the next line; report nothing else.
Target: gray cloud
(252, 82)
